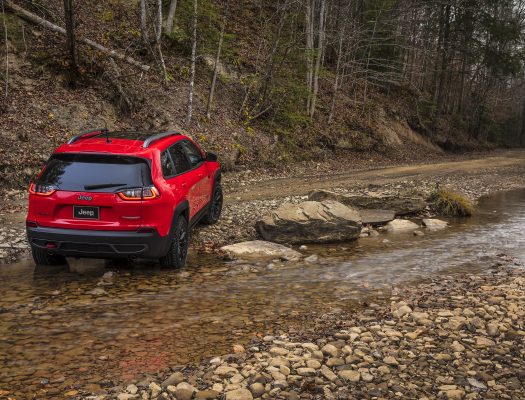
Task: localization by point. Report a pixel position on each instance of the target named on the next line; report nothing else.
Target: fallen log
(35, 19)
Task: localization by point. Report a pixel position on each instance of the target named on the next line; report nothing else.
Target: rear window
(95, 172)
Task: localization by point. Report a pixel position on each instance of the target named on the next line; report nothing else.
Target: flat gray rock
(261, 249)
(402, 204)
(377, 217)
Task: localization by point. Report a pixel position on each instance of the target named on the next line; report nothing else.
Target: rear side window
(192, 152)
(179, 159)
(95, 172)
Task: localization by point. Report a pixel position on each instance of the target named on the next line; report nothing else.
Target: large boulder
(260, 249)
(311, 222)
(402, 204)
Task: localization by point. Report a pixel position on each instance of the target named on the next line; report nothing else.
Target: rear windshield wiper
(103, 186)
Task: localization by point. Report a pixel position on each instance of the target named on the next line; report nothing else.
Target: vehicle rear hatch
(86, 191)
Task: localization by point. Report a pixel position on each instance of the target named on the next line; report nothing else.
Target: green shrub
(451, 204)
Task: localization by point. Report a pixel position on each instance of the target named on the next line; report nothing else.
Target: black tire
(215, 208)
(43, 257)
(178, 251)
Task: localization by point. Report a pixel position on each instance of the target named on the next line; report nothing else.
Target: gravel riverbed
(453, 337)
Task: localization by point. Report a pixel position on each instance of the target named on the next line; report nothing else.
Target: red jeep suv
(122, 195)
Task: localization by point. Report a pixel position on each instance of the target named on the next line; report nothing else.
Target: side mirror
(211, 157)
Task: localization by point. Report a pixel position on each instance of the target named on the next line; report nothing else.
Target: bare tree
(6, 93)
(171, 16)
(318, 56)
(215, 71)
(144, 22)
(193, 62)
(69, 17)
(337, 70)
(158, 37)
(309, 50)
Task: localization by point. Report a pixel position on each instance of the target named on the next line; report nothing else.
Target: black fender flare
(182, 209)
(217, 177)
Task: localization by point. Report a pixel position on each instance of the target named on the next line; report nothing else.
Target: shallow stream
(61, 327)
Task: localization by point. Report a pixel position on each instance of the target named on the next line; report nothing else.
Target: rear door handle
(183, 184)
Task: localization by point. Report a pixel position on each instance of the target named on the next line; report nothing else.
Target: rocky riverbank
(454, 337)
(239, 216)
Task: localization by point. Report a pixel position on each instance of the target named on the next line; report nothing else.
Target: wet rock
(239, 394)
(98, 291)
(260, 249)
(330, 350)
(311, 222)
(257, 389)
(127, 396)
(238, 348)
(482, 342)
(457, 347)
(173, 379)
(455, 394)
(208, 394)
(225, 371)
(389, 360)
(401, 226)
(155, 389)
(306, 371)
(434, 224)
(328, 373)
(133, 389)
(350, 375)
(401, 311)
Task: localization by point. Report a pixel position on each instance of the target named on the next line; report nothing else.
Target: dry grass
(451, 204)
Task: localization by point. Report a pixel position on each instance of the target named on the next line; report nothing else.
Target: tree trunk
(444, 62)
(69, 17)
(193, 62)
(337, 72)
(158, 28)
(158, 37)
(35, 19)
(171, 17)
(215, 72)
(6, 86)
(523, 125)
(309, 52)
(144, 23)
(320, 44)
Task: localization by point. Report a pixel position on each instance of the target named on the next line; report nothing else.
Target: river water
(65, 327)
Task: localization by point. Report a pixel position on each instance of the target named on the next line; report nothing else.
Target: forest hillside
(264, 83)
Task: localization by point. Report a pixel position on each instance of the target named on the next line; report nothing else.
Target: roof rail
(86, 134)
(159, 136)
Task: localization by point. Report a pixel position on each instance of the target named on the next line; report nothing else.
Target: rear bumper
(98, 244)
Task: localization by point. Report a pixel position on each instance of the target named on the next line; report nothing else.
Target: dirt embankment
(250, 195)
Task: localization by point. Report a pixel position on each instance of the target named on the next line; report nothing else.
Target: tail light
(145, 193)
(42, 189)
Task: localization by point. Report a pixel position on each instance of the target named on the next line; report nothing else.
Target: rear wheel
(215, 208)
(178, 252)
(43, 257)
